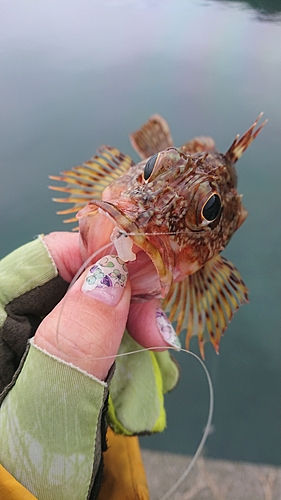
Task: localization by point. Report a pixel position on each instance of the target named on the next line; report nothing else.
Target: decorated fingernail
(106, 280)
(166, 329)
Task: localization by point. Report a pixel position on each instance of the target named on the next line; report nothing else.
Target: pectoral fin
(88, 181)
(204, 302)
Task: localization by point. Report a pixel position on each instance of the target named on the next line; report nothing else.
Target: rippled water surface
(76, 75)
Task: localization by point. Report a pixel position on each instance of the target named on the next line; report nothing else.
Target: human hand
(87, 326)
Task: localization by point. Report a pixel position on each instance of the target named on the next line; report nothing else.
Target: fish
(169, 216)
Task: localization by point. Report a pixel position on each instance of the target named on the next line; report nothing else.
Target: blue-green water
(76, 75)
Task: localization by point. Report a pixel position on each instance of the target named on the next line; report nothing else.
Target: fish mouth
(146, 257)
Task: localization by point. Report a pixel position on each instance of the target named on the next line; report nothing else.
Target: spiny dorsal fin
(152, 137)
(204, 302)
(240, 145)
(88, 181)
(199, 145)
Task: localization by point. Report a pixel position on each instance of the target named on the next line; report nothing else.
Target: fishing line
(115, 235)
(205, 433)
(122, 232)
(82, 268)
(210, 386)
(74, 279)
(209, 419)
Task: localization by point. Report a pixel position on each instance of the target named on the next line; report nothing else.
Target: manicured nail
(166, 329)
(106, 280)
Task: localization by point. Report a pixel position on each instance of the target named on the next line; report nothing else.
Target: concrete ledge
(210, 479)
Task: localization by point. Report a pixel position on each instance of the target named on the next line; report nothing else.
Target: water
(75, 76)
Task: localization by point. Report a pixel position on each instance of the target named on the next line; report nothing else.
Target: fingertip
(150, 327)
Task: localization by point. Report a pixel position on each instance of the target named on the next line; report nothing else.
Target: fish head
(180, 209)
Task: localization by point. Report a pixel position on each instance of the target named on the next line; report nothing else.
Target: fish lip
(141, 241)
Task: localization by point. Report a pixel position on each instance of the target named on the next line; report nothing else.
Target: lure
(170, 216)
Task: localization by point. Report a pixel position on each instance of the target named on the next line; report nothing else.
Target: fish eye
(149, 166)
(211, 208)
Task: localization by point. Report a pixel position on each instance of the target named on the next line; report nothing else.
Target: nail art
(106, 279)
(166, 329)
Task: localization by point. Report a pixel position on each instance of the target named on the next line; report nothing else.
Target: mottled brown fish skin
(168, 206)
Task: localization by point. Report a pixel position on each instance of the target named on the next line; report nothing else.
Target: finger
(87, 326)
(70, 250)
(65, 250)
(150, 327)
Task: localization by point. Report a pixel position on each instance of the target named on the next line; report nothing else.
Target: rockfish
(170, 216)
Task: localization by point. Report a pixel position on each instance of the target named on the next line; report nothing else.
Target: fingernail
(166, 330)
(106, 280)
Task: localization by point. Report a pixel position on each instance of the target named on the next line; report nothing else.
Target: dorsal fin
(240, 144)
(204, 302)
(88, 181)
(152, 137)
(199, 145)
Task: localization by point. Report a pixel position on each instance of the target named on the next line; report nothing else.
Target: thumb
(87, 326)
